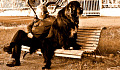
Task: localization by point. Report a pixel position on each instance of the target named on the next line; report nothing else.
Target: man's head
(41, 11)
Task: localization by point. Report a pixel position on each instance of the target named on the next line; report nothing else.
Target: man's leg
(8, 49)
(19, 38)
(16, 56)
(16, 39)
(17, 50)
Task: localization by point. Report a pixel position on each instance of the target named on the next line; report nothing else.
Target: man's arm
(29, 30)
(29, 27)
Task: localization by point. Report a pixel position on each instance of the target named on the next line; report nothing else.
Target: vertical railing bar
(84, 8)
(96, 4)
(91, 4)
(99, 5)
(87, 6)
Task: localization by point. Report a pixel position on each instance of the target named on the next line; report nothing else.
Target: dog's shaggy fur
(60, 32)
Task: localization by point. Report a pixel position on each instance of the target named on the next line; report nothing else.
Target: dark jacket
(40, 28)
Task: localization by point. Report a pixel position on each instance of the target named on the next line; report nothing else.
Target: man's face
(40, 12)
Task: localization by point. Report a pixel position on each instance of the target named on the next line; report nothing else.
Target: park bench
(88, 39)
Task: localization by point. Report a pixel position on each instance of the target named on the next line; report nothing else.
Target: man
(37, 31)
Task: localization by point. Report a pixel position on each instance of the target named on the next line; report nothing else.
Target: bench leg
(95, 54)
(25, 54)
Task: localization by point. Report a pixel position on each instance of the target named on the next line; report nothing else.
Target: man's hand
(30, 35)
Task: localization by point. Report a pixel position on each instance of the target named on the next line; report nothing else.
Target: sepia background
(16, 15)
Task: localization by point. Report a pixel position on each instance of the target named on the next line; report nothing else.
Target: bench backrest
(88, 37)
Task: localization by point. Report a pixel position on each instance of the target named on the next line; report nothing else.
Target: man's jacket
(40, 28)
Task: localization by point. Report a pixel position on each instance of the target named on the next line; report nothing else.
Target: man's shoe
(13, 63)
(8, 49)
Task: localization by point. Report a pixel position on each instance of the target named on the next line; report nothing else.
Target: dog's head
(73, 10)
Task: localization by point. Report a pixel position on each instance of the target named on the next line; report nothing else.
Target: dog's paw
(45, 68)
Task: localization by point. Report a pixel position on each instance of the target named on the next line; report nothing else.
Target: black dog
(60, 32)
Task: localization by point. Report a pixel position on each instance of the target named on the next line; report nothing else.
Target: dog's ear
(68, 10)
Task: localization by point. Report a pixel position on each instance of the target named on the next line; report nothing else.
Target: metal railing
(90, 7)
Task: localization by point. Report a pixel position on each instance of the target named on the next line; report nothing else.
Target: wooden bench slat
(86, 33)
(87, 44)
(90, 45)
(70, 56)
(93, 36)
(88, 50)
(90, 31)
(79, 52)
(69, 53)
(89, 28)
(87, 39)
(92, 48)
